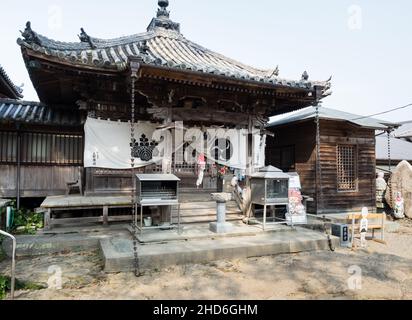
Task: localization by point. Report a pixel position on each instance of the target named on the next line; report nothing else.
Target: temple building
(101, 98)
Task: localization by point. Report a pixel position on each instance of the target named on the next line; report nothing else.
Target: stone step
(207, 219)
(204, 212)
(205, 205)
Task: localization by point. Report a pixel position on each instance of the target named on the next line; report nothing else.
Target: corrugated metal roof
(405, 131)
(329, 114)
(400, 149)
(162, 45)
(17, 111)
(11, 90)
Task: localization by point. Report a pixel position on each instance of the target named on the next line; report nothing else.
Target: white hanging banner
(108, 144)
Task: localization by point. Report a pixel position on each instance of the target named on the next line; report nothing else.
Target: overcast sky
(365, 44)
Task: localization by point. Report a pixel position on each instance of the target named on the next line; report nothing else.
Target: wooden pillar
(47, 219)
(18, 178)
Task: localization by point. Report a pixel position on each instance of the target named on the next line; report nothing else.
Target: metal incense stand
(270, 187)
(157, 190)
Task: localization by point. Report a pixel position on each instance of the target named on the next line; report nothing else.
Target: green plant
(5, 286)
(27, 222)
(2, 253)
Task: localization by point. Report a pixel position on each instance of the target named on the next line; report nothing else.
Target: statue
(399, 209)
(381, 187)
(201, 167)
(364, 226)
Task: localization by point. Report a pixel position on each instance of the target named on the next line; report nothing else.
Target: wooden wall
(36, 181)
(333, 133)
(304, 141)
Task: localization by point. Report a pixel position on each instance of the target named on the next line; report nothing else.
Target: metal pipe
(13, 262)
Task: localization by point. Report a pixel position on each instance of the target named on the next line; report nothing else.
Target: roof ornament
(29, 35)
(305, 76)
(84, 37)
(327, 88)
(143, 47)
(162, 19)
(273, 73)
(162, 11)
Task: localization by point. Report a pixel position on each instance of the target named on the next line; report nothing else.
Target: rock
(401, 181)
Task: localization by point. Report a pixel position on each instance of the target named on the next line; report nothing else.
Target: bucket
(148, 222)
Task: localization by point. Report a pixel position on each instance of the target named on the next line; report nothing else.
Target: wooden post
(105, 215)
(264, 217)
(47, 219)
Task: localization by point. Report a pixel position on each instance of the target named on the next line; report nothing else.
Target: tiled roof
(162, 45)
(11, 90)
(329, 114)
(17, 111)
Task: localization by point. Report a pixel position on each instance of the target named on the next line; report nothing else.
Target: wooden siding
(36, 181)
(333, 133)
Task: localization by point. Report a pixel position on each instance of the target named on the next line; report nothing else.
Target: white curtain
(107, 144)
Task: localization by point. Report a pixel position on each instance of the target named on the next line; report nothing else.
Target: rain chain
(133, 165)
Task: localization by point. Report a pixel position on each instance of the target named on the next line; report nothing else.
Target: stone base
(217, 227)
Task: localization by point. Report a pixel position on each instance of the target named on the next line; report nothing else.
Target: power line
(385, 112)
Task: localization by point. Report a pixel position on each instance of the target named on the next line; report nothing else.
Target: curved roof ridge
(16, 91)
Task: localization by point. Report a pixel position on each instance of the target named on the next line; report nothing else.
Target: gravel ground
(386, 273)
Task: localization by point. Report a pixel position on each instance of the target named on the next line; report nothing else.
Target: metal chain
(133, 165)
(318, 163)
(390, 168)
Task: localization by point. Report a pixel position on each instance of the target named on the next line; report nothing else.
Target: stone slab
(202, 232)
(156, 256)
(38, 245)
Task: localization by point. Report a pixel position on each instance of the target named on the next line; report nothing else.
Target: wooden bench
(376, 222)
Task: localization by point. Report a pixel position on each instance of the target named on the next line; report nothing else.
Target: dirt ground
(381, 272)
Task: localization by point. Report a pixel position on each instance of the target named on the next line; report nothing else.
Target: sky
(364, 44)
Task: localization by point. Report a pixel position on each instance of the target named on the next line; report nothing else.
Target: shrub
(5, 286)
(27, 222)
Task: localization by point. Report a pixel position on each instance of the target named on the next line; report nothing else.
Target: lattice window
(347, 168)
(42, 148)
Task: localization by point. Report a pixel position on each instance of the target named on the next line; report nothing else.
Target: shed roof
(7, 87)
(17, 111)
(405, 131)
(400, 149)
(161, 45)
(329, 114)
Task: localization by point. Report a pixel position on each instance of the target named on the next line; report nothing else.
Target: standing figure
(364, 226)
(381, 187)
(201, 167)
(399, 210)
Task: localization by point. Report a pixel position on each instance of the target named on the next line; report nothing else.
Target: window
(347, 168)
(42, 148)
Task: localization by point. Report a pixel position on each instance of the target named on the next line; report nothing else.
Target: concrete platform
(119, 256)
(65, 240)
(202, 232)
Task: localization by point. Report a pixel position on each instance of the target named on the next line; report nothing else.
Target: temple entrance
(193, 170)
